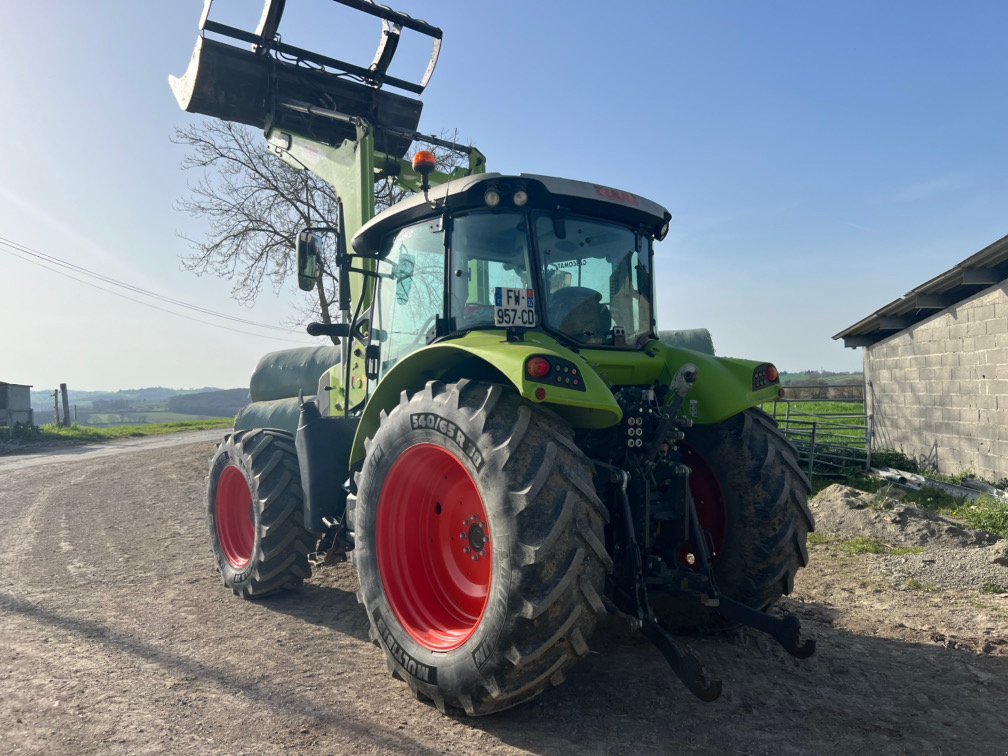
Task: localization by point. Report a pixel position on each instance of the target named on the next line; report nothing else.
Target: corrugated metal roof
(986, 268)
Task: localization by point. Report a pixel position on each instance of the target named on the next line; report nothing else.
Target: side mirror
(309, 260)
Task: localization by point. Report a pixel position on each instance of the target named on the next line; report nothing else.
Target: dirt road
(117, 637)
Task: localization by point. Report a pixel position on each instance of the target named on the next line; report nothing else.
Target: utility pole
(66, 405)
(55, 396)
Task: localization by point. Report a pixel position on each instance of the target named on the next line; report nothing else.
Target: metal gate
(828, 425)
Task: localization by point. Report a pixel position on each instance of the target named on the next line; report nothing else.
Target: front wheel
(752, 502)
(479, 546)
(255, 513)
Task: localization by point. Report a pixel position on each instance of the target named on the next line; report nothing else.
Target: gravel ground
(950, 556)
(118, 638)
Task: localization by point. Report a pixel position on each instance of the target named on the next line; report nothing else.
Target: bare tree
(255, 204)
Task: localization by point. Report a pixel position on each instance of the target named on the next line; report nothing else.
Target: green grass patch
(818, 539)
(894, 458)
(913, 584)
(992, 588)
(986, 513)
(84, 433)
(858, 546)
(864, 546)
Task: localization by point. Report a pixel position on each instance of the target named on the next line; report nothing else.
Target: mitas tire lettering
(546, 567)
(419, 670)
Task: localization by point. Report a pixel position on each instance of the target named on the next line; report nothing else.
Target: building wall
(938, 390)
(15, 404)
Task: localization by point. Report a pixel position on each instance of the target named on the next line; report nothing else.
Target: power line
(131, 287)
(141, 302)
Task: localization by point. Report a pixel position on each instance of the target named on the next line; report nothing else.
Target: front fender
(488, 353)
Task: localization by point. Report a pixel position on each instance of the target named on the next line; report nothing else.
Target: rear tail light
(537, 367)
(765, 375)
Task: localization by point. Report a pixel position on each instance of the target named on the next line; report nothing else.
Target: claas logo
(615, 195)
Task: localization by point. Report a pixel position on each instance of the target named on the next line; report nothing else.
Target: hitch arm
(785, 630)
(684, 664)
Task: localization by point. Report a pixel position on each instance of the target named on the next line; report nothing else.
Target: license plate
(514, 307)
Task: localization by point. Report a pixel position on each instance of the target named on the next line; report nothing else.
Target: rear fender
(724, 385)
(489, 356)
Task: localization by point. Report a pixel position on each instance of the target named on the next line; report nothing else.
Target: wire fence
(828, 425)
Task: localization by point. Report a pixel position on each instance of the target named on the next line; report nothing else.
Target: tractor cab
(570, 258)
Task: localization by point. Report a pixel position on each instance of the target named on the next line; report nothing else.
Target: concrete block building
(936, 368)
(15, 404)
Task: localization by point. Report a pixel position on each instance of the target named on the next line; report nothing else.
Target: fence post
(811, 458)
(787, 416)
(869, 439)
(66, 405)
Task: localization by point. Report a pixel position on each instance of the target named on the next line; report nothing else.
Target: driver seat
(578, 311)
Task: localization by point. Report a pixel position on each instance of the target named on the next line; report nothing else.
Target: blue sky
(819, 160)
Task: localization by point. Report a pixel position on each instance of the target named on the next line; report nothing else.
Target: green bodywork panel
(723, 387)
(358, 384)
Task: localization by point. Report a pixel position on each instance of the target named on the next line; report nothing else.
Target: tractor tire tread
(279, 560)
(765, 545)
(558, 570)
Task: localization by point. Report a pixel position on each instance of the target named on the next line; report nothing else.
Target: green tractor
(505, 447)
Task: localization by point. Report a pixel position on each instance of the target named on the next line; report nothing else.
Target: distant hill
(817, 377)
(156, 404)
(42, 400)
(218, 403)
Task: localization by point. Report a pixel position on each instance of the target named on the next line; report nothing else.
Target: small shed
(936, 368)
(15, 404)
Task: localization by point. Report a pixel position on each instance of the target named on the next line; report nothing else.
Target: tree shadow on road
(239, 680)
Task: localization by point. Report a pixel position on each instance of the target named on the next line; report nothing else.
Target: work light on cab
(537, 367)
(491, 197)
(520, 198)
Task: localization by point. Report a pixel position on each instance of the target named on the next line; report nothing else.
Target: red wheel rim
(233, 517)
(434, 547)
(709, 502)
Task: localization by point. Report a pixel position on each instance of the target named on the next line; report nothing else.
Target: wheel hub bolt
(477, 538)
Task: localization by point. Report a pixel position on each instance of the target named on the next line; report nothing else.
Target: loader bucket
(274, 84)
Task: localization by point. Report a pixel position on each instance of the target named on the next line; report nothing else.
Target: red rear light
(537, 367)
(765, 375)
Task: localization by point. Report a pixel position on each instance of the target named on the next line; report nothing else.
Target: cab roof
(544, 193)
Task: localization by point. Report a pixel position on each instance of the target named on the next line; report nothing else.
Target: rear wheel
(752, 502)
(479, 546)
(254, 510)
